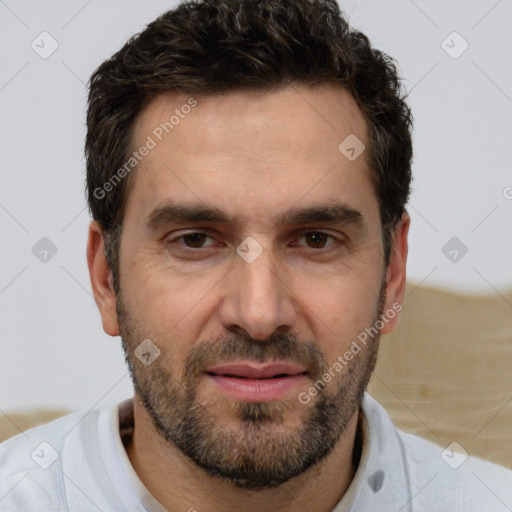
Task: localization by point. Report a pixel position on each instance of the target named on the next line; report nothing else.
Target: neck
(179, 484)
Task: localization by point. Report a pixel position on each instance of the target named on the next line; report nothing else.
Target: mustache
(278, 347)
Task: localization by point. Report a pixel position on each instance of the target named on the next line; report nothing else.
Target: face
(251, 258)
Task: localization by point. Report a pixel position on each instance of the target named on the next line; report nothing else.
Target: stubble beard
(258, 451)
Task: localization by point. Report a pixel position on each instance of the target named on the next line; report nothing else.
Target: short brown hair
(207, 47)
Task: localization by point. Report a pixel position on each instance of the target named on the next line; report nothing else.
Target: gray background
(54, 352)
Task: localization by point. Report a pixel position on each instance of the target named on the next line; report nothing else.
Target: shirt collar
(122, 427)
(383, 481)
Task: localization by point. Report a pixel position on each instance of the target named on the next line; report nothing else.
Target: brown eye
(194, 240)
(317, 240)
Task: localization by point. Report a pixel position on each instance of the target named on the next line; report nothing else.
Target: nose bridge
(257, 300)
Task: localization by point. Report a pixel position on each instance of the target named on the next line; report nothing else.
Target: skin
(255, 156)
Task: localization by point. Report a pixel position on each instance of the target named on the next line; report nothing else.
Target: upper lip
(252, 370)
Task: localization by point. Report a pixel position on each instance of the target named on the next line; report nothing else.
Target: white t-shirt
(78, 463)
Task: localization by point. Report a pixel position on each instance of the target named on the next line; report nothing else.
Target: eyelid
(175, 238)
(325, 231)
(337, 239)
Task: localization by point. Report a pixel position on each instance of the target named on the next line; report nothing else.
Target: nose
(257, 298)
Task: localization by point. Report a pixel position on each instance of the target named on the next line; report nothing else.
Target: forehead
(323, 114)
(248, 146)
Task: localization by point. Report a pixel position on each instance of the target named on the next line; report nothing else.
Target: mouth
(253, 382)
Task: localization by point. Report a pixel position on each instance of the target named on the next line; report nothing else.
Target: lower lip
(257, 390)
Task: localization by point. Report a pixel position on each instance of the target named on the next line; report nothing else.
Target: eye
(318, 240)
(193, 240)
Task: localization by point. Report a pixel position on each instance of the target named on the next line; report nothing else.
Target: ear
(101, 279)
(396, 273)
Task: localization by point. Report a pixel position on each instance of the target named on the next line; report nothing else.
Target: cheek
(339, 309)
(169, 305)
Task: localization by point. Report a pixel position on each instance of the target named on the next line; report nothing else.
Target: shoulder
(31, 476)
(450, 475)
(426, 476)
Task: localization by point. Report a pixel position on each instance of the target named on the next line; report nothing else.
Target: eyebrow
(330, 213)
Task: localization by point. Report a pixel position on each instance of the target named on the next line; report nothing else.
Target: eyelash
(337, 241)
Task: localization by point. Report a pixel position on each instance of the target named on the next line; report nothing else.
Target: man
(248, 167)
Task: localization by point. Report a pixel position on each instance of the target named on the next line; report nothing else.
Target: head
(248, 167)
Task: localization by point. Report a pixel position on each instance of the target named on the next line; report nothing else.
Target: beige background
(445, 373)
